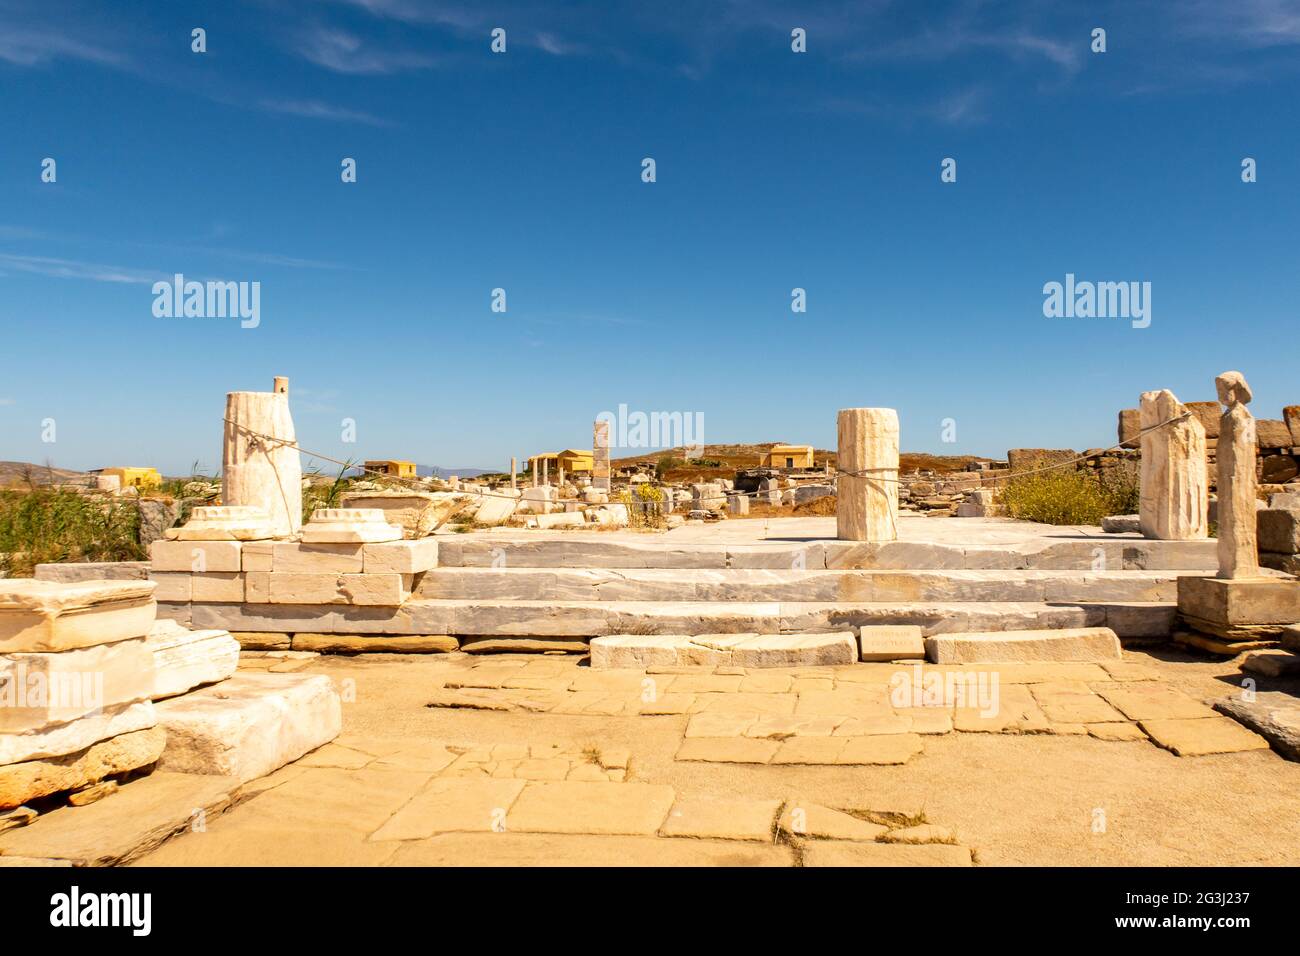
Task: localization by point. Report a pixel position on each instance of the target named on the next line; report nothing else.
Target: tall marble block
(1238, 555)
(867, 488)
(263, 472)
(1174, 496)
(600, 455)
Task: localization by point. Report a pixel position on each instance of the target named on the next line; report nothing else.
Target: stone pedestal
(867, 487)
(236, 523)
(1175, 489)
(349, 526)
(1239, 609)
(265, 472)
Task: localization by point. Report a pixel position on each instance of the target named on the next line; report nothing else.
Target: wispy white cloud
(35, 47)
(317, 109)
(76, 269)
(344, 52)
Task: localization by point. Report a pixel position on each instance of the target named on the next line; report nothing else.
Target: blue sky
(522, 171)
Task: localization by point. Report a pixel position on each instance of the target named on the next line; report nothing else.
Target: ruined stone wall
(1278, 441)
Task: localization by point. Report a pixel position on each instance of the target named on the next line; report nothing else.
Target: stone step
(574, 550)
(1061, 644)
(740, 650)
(744, 584)
(508, 618)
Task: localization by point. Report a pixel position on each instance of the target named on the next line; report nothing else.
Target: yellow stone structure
(788, 456)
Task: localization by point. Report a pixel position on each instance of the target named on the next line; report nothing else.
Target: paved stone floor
(530, 759)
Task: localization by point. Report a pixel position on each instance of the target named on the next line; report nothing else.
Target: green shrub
(53, 524)
(645, 506)
(1071, 497)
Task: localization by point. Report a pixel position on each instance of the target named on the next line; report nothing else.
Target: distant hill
(18, 473)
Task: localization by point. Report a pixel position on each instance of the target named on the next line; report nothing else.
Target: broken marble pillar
(260, 464)
(349, 526)
(1238, 556)
(40, 616)
(183, 659)
(867, 487)
(738, 504)
(224, 523)
(249, 725)
(1174, 491)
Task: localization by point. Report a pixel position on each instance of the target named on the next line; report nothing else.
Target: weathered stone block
(28, 780)
(402, 557)
(183, 659)
(196, 556)
(1240, 602)
(257, 555)
(48, 616)
(249, 725)
(217, 586)
(1063, 644)
(38, 691)
(1278, 530)
(57, 740)
(1271, 433)
(891, 642)
(173, 586)
(298, 558)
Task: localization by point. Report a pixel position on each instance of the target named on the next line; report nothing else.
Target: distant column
(867, 486)
(600, 455)
(1173, 498)
(514, 463)
(546, 471)
(263, 472)
(1238, 554)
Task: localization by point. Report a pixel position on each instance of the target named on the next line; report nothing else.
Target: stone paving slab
(885, 854)
(1152, 702)
(722, 819)
(1202, 735)
(728, 749)
(805, 819)
(600, 808)
(448, 805)
(134, 820)
(550, 850)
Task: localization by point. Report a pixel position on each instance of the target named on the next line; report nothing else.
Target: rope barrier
(861, 473)
(867, 473)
